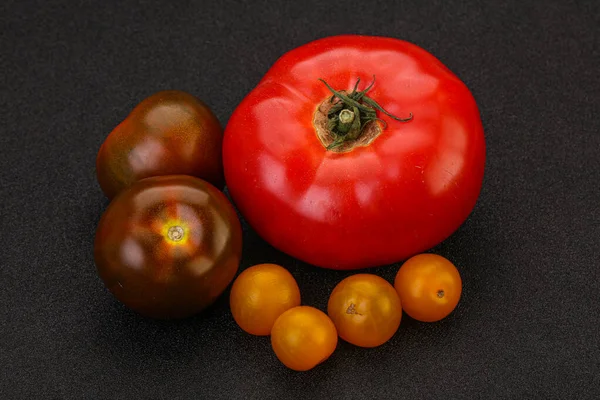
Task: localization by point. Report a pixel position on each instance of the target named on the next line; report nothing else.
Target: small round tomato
(365, 309)
(303, 337)
(168, 133)
(429, 287)
(168, 246)
(260, 295)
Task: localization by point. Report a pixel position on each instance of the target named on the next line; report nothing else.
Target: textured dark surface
(528, 323)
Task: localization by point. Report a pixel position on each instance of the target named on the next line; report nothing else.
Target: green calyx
(351, 113)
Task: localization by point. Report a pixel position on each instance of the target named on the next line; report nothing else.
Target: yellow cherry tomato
(365, 309)
(429, 287)
(303, 337)
(260, 294)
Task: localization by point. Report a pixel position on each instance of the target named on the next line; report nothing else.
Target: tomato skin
(303, 337)
(411, 188)
(168, 246)
(365, 309)
(260, 294)
(169, 133)
(429, 286)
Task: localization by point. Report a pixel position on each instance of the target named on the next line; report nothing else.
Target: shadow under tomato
(122, 333)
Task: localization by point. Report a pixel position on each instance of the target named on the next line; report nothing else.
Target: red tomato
(391, 189)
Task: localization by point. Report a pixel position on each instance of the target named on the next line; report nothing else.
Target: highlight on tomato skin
(260, 294)
(365, 309)
(168, 246)
(303, 337)
(429, 287)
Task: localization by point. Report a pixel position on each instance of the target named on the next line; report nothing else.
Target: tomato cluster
(335, 172)
(169, 242)
(363, 309)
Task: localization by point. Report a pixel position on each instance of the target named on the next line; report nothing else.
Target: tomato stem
(346, 116)
(350, 113)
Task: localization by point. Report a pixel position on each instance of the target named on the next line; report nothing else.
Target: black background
(528, 323)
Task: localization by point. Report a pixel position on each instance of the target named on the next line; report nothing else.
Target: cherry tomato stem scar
(175, 233)
(352, 310)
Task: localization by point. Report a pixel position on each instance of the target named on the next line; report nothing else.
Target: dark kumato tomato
(168, 246)
(168, 133)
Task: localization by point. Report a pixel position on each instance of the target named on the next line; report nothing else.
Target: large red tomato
(345, 176)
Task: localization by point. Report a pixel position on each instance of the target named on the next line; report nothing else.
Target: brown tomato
(168, 246)
(168, 133)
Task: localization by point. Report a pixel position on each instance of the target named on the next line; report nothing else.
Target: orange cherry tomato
(261, 294)
(429, 287)
(303, 337)
(365, 309)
